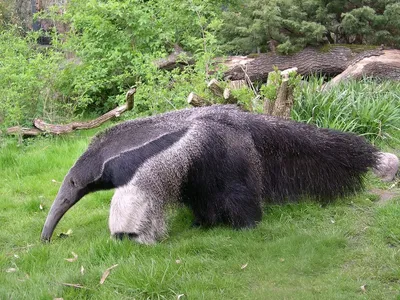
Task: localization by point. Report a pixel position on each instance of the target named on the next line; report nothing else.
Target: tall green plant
(367, 108)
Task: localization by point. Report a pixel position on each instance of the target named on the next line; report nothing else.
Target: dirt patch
(385, 195)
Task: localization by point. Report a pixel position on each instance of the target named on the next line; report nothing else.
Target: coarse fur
(220, 161)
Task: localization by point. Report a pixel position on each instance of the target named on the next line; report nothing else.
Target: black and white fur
(220, 161)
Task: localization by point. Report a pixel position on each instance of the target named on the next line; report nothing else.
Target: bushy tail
(303, 160)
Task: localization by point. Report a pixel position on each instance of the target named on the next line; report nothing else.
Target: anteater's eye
(72, 182)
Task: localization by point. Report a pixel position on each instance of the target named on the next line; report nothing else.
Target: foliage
(5, 14)
(293, 24)
(116, 43)
(367, 108)
(112, 45)
(362, 21)
(109, 47)
(249, 26)
(28, 79)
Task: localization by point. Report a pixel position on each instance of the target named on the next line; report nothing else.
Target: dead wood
(308, 61)
(19, 130)
(43, 127)
(174, 59)
(384, 66)
(218, 91)
(197, 101)
(282, 105)
(237, 84)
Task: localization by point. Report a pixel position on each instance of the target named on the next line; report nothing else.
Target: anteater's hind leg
(237, 206)
(241, 207)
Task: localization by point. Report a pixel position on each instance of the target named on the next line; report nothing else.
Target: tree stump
(282, 105)
(197, 101)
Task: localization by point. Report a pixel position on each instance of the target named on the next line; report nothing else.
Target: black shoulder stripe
(121, 169)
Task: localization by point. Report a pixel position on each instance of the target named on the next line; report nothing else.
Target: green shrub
(117, 42)
(27, 80)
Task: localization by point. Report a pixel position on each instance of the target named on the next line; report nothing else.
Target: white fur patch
(387, 166)
(129, 206)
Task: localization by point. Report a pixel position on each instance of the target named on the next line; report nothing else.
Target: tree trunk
(175, 59)
(309, 61)
(329, 61)
(385, 66)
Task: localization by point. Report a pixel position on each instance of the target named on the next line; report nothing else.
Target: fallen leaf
(11, 270)
(16, 255)
(178, 261)
(281, 259)
(72, 259)
(75, 285)
(332, 221)
(244, 266)
(363, 288)
(180, 296)
(106, 273)
(65, 234)
(82, 270)
(55, 181)
(25, 278)
(41, 206)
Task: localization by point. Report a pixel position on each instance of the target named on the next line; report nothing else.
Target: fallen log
(385, 66)
(174, 60)
(42, 127)
(19, 130)
(329, 62)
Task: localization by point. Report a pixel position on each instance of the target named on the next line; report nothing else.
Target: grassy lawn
(346, 250)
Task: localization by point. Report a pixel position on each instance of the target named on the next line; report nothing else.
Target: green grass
(298, 251)
(365, 107)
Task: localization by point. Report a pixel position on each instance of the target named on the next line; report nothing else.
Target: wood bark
(329, 62)
(237, 84)
(385, 66)
(174, 60)
(19, 130)
(197, 101)
(282, 105)
(309, 61)
(218, 91)
(43, 127)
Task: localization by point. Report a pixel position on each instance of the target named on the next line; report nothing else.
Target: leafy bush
(109, 47)
(117, 42)
(27, 79)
